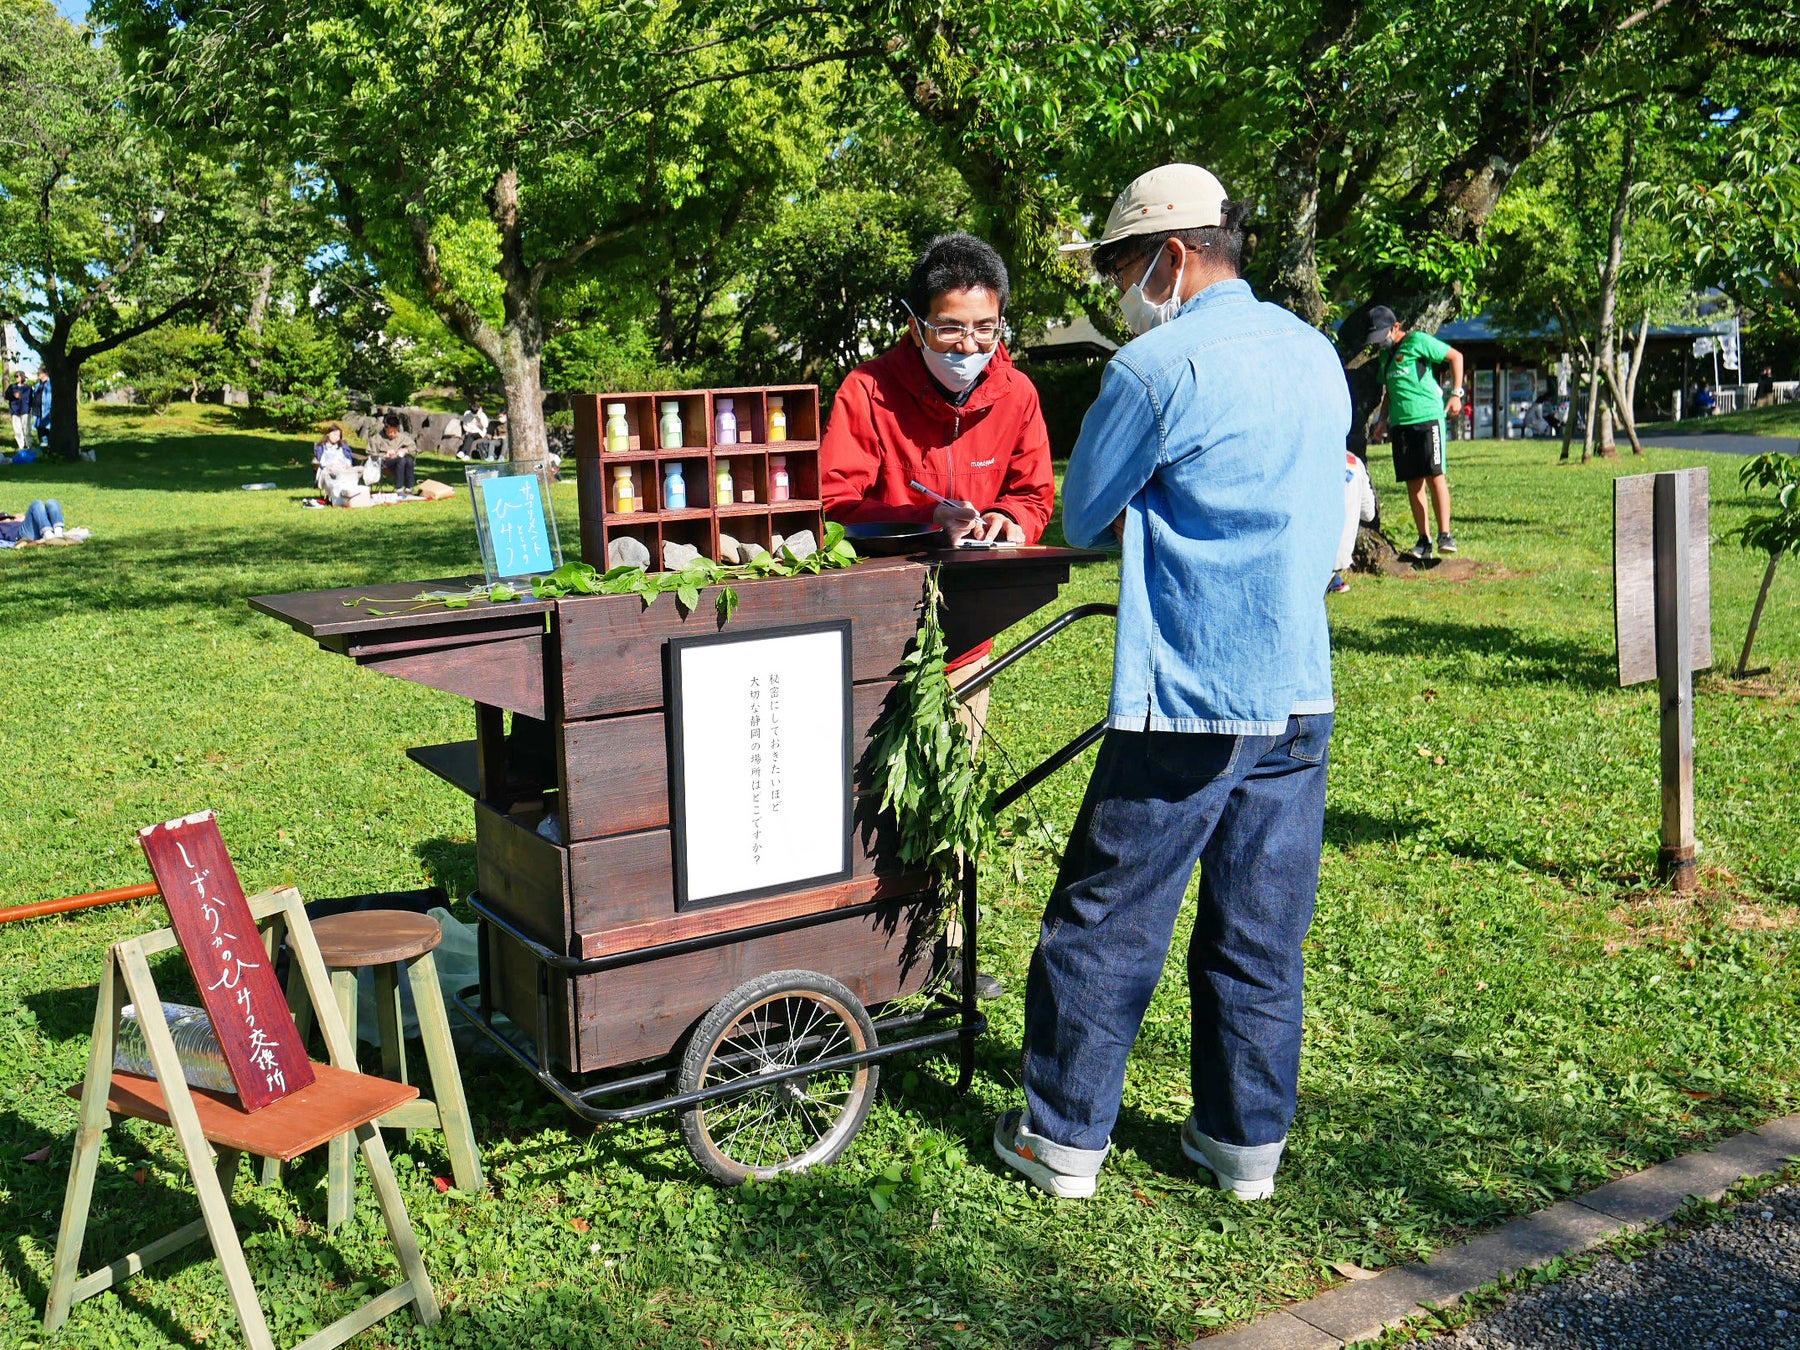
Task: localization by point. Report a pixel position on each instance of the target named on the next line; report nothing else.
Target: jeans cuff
(1071, 1162)
(1242, 1162)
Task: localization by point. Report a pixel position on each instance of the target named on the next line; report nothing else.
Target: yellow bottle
(624, 495)
(777, 419)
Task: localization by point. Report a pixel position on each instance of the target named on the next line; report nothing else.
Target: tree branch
(192, 301)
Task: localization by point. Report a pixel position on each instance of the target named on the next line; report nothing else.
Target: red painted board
(225, 953)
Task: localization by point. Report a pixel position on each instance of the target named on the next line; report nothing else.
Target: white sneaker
(1216, 1158)
(1018, 1155)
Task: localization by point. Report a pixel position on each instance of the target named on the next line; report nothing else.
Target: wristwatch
(1459, 392)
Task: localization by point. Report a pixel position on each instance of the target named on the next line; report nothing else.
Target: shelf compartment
(748, 408)
(643, 528)
(696, 475)
(699, 533)
(695, 406)
(639, 418)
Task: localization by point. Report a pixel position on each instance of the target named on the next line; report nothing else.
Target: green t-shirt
(1409, 369)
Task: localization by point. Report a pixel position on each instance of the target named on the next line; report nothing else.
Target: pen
(917, 486)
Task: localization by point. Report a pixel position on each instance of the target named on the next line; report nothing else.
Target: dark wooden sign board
(1662, 611)
(224, 951)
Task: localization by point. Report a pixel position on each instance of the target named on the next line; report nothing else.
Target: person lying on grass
(42, 522)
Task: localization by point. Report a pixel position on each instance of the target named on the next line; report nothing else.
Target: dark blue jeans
(1250, 810)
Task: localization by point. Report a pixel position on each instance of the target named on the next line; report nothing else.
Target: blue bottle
(674, 489)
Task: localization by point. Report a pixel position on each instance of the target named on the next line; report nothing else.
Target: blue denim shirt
(1220, 438)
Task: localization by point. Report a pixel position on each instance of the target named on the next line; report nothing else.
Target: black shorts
(1418, 450)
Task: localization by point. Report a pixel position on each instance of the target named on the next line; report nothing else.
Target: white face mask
(956, 371)
(1139, 313)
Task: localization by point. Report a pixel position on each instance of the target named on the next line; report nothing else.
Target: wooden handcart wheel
(778, 1021)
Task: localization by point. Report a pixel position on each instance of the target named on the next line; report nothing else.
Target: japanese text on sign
(224, 951)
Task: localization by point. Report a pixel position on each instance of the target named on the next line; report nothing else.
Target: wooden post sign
(224, 951)
(1662, 611)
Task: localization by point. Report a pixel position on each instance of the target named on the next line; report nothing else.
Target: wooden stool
(215, 1132)
(389, 939)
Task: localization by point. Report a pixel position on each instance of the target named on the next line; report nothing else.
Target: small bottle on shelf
(780, 487)
(624, 493)
(674, 488)
(670, 426)
(726, 428)
(618, 430)
(777, 419)
(722, 483)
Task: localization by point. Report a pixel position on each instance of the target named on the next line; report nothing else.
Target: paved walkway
(1733, 1284)
(1725, 443)
(1361, 1310)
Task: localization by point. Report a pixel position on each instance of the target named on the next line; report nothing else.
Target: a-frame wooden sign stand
(215, 1130)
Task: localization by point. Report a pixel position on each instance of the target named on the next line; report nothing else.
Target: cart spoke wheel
(771, 1025)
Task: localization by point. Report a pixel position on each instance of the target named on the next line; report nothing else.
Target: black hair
(1224, 241)
(391, 420)
(956, 262)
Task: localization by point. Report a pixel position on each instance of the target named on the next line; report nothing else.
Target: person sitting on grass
(42, 520)
(337, 476)
(397, 451)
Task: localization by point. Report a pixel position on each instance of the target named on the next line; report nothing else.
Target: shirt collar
(1220, 293)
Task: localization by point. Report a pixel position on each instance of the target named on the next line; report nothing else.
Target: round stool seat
(375, 937)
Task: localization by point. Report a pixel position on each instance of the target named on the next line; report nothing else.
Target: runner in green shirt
(1412, 410)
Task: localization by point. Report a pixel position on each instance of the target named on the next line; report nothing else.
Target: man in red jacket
(946, 407)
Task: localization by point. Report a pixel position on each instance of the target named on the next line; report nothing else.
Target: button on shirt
(1220, 438)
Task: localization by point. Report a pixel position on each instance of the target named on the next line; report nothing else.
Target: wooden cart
(751, 1019)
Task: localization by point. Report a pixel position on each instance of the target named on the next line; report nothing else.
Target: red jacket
(892, 424)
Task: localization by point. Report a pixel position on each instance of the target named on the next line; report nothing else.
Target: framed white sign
(759, 761)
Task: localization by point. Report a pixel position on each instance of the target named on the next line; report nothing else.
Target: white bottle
(725, 422)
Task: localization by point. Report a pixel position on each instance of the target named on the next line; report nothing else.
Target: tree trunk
(65, 400)
(522, 371)
(1593, 412)
(1294, 280)
(1606, 360)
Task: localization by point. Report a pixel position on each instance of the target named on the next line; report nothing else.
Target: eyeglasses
(986, 332)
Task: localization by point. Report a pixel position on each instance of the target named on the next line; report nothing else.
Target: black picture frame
(679, 825)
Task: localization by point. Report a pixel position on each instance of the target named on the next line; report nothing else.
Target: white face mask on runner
(1139, 313)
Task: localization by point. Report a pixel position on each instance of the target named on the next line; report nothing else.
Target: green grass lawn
(1503, 1008)
(1780, 420)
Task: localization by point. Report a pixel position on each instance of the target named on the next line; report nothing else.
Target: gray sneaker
(1013, 1149)
(1419, 552)
(1248, 1172)
(1446, 542)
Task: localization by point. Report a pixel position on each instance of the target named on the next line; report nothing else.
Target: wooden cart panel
(641, 1011)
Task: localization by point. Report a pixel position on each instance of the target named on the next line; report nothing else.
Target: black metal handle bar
(976, 683)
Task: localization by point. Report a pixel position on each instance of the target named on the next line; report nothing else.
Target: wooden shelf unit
(704, 518)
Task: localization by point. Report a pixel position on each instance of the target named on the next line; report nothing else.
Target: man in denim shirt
(1214, 455)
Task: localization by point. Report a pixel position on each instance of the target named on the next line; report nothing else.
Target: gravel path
(1733, 1286)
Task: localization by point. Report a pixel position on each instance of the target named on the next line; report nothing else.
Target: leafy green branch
(1776, 531)
(577, 578)
(921, 759)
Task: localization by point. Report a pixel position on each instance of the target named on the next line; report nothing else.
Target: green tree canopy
(106, 233)
(486, 155)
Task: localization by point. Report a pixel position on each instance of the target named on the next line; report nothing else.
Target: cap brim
(1079, 246)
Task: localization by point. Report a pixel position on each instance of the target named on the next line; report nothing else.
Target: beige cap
(1172, 197)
